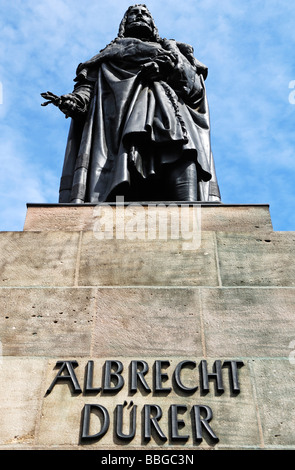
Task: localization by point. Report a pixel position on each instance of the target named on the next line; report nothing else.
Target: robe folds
(127, 125)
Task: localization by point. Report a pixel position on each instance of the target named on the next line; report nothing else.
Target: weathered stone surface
(46, 321)
(21, 381)
(54, 258)
(70, 295)
(38, 258)
(148, 322)
(56, 217)
(249, 260)
(242, 322)
(275, 389)
(248, 322)
(76, 217)
(146, 263)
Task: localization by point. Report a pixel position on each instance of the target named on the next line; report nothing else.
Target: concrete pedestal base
(222, 293)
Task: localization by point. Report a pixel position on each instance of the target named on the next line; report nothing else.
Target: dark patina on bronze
(140, 121)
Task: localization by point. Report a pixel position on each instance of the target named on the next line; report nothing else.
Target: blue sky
(247, 45)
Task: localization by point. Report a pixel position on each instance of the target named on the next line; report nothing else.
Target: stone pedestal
(212, 286)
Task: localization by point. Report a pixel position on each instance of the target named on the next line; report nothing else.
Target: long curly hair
(122, 27)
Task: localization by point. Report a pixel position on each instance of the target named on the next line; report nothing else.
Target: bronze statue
(140, 122)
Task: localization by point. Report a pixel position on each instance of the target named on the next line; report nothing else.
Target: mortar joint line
(94, 325)
(203, 338)
(254, 389)
(40, 405)
(217, 261)
(78, 258)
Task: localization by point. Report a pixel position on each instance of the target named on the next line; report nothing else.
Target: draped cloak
(125, 123)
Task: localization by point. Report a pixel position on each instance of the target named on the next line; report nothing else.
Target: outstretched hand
(65, 103)
(52, 99)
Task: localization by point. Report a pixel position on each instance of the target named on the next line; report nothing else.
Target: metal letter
(175, 422)
(88, 409)
(234, 381)
(178, 381)
(109, 375)
(216, 374)
(159, 376)
(70, 377)
(203, 422)
(135, 373)
(119, 423)
(149, 421)
(89, 379)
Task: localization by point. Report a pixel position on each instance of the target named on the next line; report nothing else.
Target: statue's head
(138, 22)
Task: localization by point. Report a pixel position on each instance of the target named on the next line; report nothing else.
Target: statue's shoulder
(173, 44)
(87, 70)
(188, 51)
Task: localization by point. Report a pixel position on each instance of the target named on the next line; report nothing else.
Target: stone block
(246, 259)
(59, 217)
(21, 381)
(275, 389)
(38, 258)
(248, 322)
(147, 322)
(146, 263)
(76, 217)
(46, 321)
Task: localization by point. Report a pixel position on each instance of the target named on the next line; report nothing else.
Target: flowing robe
(126, 125)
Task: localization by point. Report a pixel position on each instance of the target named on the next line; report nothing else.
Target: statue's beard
(139, 29)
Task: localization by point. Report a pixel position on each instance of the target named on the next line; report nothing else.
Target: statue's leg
(182, 181)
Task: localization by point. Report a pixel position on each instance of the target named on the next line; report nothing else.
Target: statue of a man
(140, 122)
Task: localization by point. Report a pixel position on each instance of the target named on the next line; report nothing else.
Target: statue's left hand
(150, 71)
(160, 68)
